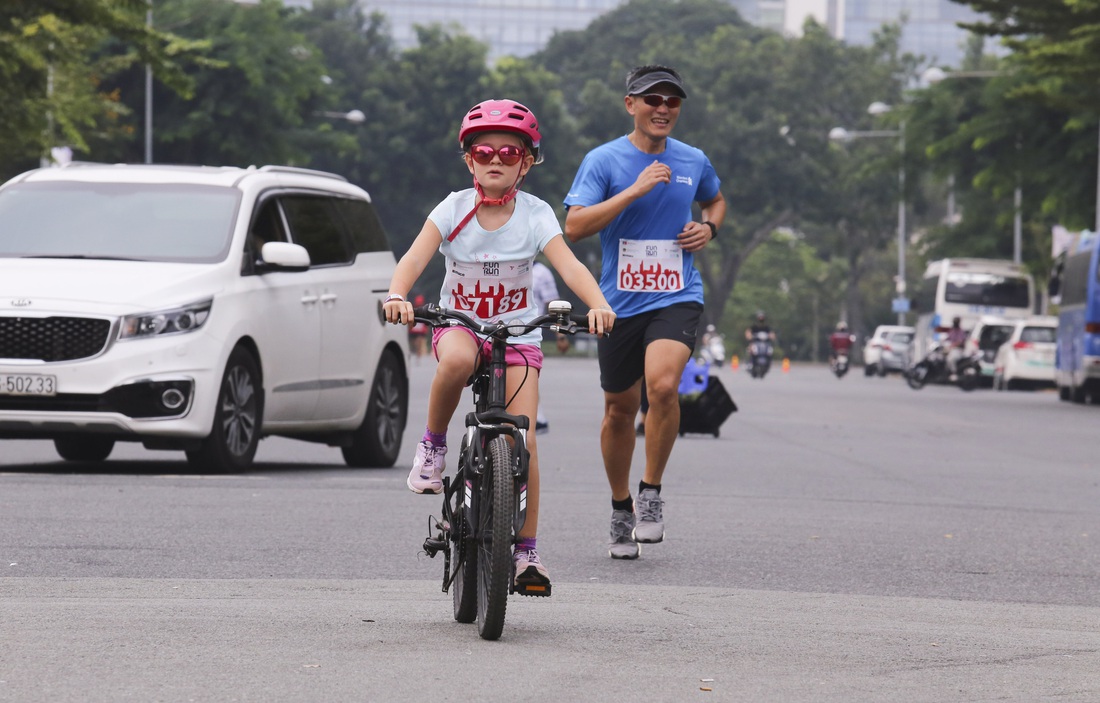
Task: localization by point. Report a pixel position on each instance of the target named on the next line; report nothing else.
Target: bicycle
(474, 531)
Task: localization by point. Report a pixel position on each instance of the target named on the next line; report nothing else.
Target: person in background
(955, 341)
(638, 193)
(543, 290)
(840, 341)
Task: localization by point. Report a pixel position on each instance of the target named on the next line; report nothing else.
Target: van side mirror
(283, 256)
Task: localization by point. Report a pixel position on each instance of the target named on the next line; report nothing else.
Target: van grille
(52, 338)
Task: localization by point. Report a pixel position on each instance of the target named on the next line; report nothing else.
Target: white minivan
(197, 309)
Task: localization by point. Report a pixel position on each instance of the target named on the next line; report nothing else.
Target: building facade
(522, 27)
(929, 28)
(508, 27)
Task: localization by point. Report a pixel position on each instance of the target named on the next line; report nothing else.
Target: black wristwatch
(713, 228)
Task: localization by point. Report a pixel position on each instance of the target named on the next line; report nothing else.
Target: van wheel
(377, 441)
(84, 448)
(232, 442)
(1077, 394)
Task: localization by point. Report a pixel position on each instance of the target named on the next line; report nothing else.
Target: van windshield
(139, 222)
(987, 289)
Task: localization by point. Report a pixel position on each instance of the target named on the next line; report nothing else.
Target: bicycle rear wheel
(494, 539)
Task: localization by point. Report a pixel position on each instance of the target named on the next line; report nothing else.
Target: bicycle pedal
(541, 590)
(433, 545)
(531, 583)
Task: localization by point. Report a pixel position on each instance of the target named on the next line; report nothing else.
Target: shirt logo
(684, 179)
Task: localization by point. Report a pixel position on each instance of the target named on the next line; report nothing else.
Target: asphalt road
(842, 540)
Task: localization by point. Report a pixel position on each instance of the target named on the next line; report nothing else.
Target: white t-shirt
(488, 274)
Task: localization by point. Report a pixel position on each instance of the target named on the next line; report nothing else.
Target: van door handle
(328, 297)
(308, 298)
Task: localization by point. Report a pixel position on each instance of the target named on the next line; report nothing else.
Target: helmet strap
(482, 200)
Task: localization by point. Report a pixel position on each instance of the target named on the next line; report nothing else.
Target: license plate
(27, 384)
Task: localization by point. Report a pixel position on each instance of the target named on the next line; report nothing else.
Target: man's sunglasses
(509, 155)
(654, 100)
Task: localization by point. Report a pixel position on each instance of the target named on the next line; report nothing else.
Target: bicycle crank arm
(433, 545)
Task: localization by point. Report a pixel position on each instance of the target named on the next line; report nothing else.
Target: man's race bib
(489, 289)
(650, 266)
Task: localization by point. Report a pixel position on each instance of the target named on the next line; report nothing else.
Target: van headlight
(175, 321)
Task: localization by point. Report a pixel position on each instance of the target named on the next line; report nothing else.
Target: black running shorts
(622, 353)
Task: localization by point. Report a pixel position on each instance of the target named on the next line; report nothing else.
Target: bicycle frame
(489, 489)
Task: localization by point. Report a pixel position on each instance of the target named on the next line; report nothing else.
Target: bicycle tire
(464, 559)
(494, 539)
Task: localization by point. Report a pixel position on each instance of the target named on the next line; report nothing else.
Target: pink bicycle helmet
(501, 116)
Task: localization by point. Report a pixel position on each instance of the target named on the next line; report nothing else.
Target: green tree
(988, 141)
(1055, 56)
(56, 56)
(249, 102)
(857, 217)
(1058, 41)
(760, 105)
(358, 54)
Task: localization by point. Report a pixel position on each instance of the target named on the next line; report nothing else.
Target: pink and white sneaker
(427, 470)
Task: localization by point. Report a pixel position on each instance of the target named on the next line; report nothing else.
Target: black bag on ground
(705, 411)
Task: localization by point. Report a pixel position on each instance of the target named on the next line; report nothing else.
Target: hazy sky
(797, 10)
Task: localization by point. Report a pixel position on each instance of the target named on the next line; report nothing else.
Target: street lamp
(149, 82)
(353, 116)
(840, 134)
(933, 75)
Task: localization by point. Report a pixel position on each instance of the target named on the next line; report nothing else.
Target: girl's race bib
(489, 289)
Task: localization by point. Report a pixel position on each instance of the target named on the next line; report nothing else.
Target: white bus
(968, 289)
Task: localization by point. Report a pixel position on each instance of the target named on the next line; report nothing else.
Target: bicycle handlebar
(566, 323)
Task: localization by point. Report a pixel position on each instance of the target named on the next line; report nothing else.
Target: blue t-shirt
(659, 215)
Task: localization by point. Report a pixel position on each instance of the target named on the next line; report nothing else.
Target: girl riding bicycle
(490, 235)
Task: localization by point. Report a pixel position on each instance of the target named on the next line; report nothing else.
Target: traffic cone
(786, 364)
(734, 362)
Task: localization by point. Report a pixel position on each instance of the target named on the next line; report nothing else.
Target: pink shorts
(516, 355)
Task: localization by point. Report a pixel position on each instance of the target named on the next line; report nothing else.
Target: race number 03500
(656, 281)
(651, 266)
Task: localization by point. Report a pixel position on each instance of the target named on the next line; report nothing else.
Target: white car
(987, 336)
(887, 350)
(1027, 356)
(197, 309)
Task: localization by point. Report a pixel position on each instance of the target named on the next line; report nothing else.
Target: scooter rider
(714, 349)
(759, 325)
(840, 341)
(956, 339)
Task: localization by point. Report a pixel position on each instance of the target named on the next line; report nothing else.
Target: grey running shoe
(623, 545)
(647, 507)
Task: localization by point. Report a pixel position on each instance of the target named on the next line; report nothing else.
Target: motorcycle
(714, 349)
(933, 368)
(839, 364)
(760, 354)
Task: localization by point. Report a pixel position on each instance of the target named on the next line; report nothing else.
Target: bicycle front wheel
(494, 539)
